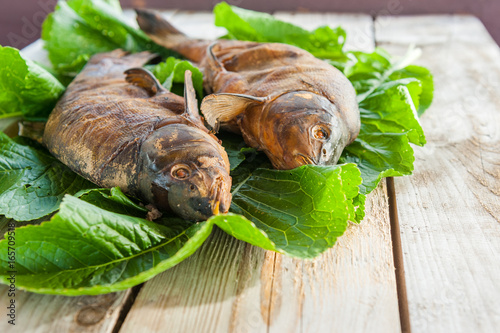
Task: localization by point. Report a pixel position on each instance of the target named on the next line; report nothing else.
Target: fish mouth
(217, 194)
(304, 160)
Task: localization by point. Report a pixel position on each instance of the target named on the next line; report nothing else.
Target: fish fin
(32, 129)
(159, 29)
(145, 79)
(221, 108)
(191, 112)
(213, 62)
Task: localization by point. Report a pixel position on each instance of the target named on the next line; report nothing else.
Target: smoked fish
(296, 108)
(117, 126)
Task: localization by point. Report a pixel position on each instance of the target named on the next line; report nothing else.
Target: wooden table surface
(446, 276)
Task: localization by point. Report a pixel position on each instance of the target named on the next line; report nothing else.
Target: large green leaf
(88, 250)
(79, 29)
(243, 24)
(26, 89)
(302, 211)
(32, 182)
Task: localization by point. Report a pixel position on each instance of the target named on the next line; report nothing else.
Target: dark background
(20, 20)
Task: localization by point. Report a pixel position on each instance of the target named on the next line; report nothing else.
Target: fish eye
(320, 132)
(180, 171)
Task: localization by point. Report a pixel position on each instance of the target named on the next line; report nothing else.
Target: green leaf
(379, 155)
(79, 29)
(26, 89)
(242, 228)
(113, 200)
(424, 99)
(172, 71)
(236, 148)
(302, 211)
(32, 182)
(388, 97)
(86, 250)
(244, 24)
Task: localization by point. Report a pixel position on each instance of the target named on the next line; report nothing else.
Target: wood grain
(47, 313)
(230, 286)
(449, 210)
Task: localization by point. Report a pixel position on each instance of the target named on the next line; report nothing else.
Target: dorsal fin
(145, 79)
(191, 111)
(221, 108)
(212, 60)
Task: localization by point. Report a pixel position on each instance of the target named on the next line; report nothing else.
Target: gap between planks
(397, 253)
(129, 301)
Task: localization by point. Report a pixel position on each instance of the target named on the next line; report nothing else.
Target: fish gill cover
(84, 240)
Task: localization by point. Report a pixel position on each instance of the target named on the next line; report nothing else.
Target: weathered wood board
(46, 313)
(449, 210)
(231, 286)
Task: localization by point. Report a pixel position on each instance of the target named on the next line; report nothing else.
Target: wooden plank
(46, 313)
(350, 288)
(197, 24)
(230, 286)
(205, 293)
(449, 210)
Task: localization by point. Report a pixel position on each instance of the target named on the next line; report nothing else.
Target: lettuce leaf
(33, 182)
(85, 249)
(243, 24)
(78, 29)
(172, 70)
(389, 96)
(302, 211)
(26, 89)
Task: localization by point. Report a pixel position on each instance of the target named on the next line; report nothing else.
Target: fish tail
(32, 129)
(165, 34)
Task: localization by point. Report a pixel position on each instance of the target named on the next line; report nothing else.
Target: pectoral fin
(221, 108)
(145, 79)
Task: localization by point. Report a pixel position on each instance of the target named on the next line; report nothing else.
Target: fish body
(284, 101)
(126, 130)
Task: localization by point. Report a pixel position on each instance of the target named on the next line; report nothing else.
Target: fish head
(306, 129)
(185, 170)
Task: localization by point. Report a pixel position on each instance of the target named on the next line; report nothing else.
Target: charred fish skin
(117, 126)
(284, 101)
